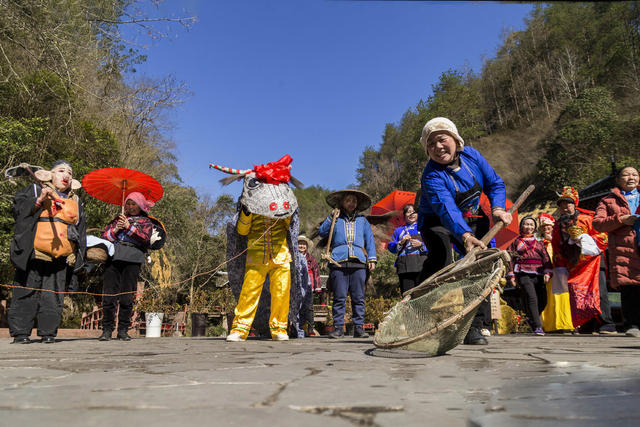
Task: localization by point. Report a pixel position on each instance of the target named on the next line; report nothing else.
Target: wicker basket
(97, 255)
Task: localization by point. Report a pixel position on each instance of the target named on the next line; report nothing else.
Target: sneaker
(336, 333)
(281, 336)
(485, 332)
(21, 339)
(538, 331)
(358, 332)
(48, 340)
(106, 335)
(235, 337)
(633, 332)
(474, 337)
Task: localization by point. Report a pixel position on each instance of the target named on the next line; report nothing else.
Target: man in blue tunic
(449, 211)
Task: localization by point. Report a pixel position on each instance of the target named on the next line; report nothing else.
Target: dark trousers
(630, 301)
(438, 241)
(119, 276)
(534, 297)
(351, 281)
(26, 304)
(305, 310)
(409, 281)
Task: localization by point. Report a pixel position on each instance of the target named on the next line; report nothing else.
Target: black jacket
(26, 217)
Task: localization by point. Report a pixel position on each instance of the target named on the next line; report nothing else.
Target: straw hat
(335, 199)
(307, 240)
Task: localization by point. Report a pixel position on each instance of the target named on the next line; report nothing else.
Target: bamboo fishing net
(434, 317)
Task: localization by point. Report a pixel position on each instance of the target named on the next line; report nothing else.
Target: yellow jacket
(264, 246)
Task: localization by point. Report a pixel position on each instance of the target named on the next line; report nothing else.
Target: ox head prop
(266, 188)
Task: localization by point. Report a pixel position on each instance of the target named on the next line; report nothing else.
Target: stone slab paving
(516, 380)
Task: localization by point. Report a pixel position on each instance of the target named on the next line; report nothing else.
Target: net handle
(472, 254)
(516, 205)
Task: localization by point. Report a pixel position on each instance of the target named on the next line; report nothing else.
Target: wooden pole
(124, 190)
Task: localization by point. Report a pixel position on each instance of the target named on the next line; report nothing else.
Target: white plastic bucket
(154, 324)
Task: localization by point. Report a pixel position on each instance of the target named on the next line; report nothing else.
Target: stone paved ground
(516, 380)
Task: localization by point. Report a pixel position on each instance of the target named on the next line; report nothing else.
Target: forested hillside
(558, 100)
(69, 91)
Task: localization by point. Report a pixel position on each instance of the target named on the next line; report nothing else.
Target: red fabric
(508, 233)
(275, 172)
(583, 276)
(584, 291)
(624, 255)
(314, 273)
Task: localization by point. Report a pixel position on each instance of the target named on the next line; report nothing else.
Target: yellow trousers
(279, 285)
(556, 316)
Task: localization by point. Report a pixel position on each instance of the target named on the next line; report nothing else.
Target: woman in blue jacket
(353, 251)
(406, 241)
(449, 212)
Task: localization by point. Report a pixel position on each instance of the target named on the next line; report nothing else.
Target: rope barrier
(210, 272)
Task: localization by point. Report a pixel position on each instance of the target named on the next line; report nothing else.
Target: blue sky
(318, 80)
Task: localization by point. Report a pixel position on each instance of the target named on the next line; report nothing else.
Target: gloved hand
(575, 231)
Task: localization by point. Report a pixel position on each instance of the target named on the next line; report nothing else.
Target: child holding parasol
(133, 232)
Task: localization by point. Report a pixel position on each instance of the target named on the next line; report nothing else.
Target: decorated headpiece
(569, 194)
(266, 191)
(546, 219)
(278, 172)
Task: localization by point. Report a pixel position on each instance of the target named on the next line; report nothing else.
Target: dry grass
(514, 153)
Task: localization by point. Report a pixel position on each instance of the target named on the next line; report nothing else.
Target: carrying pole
(327, 253)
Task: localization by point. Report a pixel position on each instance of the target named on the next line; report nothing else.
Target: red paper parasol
(112, 185)
(395, 201)
(386, 215)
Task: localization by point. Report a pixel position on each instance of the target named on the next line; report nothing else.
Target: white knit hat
(440, 124)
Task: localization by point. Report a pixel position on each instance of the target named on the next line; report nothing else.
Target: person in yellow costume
(267, 255)
(556, 316)
(268, 218)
